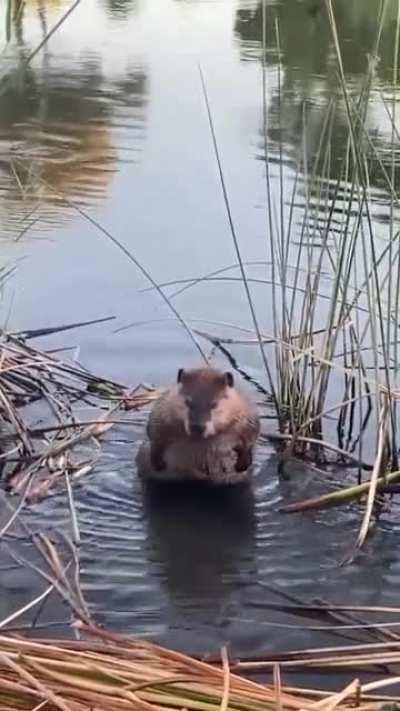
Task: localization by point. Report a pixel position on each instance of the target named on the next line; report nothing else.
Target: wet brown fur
(203, 399)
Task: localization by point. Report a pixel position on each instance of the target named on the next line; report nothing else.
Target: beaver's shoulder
(167, 413)
(244, 412)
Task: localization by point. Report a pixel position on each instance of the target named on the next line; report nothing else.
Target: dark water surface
(109, 118)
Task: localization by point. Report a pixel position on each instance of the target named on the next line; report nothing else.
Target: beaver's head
(205, 393)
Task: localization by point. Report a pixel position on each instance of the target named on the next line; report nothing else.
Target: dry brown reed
(104, 670)
(35, 460)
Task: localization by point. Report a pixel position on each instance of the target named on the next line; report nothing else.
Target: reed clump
(108, 671)
(335, 285)
(43, 425)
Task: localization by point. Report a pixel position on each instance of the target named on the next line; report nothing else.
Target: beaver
(200, 428)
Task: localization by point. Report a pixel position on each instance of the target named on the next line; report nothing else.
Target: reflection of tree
(309, 72)
(55, 129)
(305, 34)
(120, 9)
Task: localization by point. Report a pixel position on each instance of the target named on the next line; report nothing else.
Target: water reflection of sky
(110, 114)
(68, 117)
(129, 79)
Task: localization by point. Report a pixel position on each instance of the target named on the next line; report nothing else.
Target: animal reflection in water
(202, 428)
(201, 544)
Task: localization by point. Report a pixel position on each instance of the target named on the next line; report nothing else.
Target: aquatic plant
(336, 289)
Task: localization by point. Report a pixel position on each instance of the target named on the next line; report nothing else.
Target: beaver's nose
(197, 429)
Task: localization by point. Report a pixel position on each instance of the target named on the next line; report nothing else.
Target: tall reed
(336, 286)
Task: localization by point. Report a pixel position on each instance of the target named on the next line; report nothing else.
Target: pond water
(108, 120)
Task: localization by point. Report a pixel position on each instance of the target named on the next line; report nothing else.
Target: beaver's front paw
(157, 459)
(244, 459)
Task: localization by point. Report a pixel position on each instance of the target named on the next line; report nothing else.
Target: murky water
(108, 121)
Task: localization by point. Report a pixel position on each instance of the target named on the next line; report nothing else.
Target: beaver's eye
(188, 401)
(214, 404)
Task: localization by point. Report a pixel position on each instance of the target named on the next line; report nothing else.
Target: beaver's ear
(229, 379)
(180, 375)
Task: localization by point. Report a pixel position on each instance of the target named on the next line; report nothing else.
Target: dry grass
(74, 408)
(108, 671)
